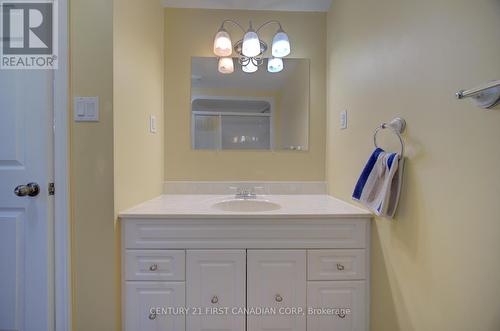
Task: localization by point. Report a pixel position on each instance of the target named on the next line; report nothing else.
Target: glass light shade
(226, 65)
(250, 67)
(275, 64)
(251, 44)
(281, 44)
(222, 43)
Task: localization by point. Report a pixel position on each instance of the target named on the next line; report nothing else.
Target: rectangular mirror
(260, 110)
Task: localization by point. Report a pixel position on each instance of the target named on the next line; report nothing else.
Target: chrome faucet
(245, 193)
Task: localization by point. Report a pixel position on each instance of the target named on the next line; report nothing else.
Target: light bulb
(275, 64)
(226, 65)
(250, 67)
(281, 44)
(251, 44)
(222, 43)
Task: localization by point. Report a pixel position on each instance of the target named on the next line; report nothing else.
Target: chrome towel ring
(398, 126)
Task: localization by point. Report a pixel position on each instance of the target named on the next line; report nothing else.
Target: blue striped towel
(379, 185)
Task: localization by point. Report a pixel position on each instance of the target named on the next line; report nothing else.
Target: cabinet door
(338, 305)
(277, 281)
(151, 306)
(215, 281)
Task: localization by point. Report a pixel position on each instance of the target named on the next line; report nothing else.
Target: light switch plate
(86, 109)
(343, 120)
(152, 123)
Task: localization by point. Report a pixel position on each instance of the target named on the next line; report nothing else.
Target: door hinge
(52, 189)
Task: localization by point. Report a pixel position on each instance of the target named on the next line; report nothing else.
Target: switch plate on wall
(343, 120)
(86, 109)
(152, 123)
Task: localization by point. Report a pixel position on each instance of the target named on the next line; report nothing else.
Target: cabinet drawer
(147, 304)
(276, 279)
(155, 265)
(336, 264)
(216, 280)
(343, 303)
(244, 233)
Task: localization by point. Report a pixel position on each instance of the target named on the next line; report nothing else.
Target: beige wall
(435, 267)
(133, 80)
(137, 93)
(294, 118)
(93, 245)
(190, 33)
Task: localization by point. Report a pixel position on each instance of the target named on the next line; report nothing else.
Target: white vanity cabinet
(313, 273)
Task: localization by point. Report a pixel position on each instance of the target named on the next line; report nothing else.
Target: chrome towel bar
(485, 96)
(468, 93)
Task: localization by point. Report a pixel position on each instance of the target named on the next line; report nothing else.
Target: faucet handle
(245, 192)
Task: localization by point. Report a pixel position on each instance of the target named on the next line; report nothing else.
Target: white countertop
(201, 206)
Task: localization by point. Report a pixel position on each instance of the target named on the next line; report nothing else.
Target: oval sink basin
(246, 206)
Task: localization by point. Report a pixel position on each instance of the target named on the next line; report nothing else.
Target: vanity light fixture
(251, 48)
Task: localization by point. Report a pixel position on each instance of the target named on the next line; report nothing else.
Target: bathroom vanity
(290, 263)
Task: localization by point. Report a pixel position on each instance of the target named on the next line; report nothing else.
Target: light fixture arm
(269, 22)
(233, 22)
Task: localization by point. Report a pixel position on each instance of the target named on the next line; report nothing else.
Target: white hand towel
(379, 185)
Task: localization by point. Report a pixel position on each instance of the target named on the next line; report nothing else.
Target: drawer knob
(340, 267)
(215, 299)
(153, 267)
(152, 316)
(278, 298)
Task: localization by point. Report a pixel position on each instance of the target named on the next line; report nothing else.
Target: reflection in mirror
(261, 110)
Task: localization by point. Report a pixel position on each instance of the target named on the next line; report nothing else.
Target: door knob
(31, 189)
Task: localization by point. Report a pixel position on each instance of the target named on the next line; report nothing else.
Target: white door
(216, 281)
(277, 280)
(154, 306)
(339, 306)
(26, 286)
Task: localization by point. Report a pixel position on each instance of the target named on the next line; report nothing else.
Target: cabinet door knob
(340, 267)
(153, 267)
(278, 298)
(152, 316)
(215, 299)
